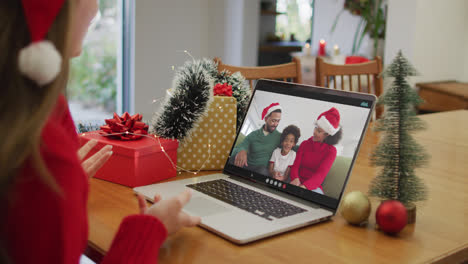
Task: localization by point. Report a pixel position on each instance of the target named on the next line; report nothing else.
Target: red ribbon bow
(127, 127)
(222, 89)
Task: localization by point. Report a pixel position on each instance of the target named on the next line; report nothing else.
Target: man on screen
(255, 151)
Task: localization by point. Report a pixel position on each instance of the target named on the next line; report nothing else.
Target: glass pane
(296, 21)
(92, 87)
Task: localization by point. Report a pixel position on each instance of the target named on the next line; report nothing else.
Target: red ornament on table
(127, 127)
(321, 50)
(391, 216)
(222, 89)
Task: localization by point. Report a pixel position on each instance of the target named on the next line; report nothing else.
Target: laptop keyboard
(247, 199)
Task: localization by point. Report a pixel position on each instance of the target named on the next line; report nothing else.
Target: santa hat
(270, 108)
(40, 61)
(329, 121)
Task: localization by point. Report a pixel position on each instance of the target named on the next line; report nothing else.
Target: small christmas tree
(398, 153)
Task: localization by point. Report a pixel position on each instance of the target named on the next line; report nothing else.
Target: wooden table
(443, 96)
(439, 235)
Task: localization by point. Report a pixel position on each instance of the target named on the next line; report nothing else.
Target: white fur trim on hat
(267, 111)
(40, 62)
(273, 108)
(324, 124)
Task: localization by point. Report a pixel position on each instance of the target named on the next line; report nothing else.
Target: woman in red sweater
(316, 155)
(43, 181)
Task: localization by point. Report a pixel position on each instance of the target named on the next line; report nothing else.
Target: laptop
(245, 203)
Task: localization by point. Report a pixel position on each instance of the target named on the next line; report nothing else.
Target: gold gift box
(211, 141)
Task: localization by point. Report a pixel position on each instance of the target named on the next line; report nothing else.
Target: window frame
(126, 64)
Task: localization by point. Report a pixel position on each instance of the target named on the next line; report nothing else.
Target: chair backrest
(287, 71)
(362, 77)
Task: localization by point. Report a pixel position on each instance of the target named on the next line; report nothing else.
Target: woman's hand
(169, 211)
(303, 186)
(95, 162)
(296, 182)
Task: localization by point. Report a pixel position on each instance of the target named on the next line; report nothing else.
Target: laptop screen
(301, 140)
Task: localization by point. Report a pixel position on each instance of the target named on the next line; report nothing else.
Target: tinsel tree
(192, 93)
(398, 153)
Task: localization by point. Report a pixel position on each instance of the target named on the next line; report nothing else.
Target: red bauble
(391, 216)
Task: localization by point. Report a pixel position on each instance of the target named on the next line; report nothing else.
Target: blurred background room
(129, 57)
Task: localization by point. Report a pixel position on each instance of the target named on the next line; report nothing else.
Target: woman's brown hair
(24, 105)
(333, 140)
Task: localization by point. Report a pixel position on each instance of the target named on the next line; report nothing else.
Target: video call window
(304, 142)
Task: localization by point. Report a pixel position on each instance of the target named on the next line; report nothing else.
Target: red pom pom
(391, 216)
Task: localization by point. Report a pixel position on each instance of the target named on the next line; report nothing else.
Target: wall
(432, 34)
(205, 28)
(401, 29)
(163, 29)
(251, 34)
(440, 40)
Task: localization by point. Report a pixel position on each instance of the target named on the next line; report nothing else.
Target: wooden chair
(291, 71)
(327, 73)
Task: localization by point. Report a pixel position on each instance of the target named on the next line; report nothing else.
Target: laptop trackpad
(201, 206)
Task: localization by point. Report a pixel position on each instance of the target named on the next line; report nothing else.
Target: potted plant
(372, 22)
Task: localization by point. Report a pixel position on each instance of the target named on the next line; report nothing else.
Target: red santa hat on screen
(269, 109)
(40, 61)
(329, 121)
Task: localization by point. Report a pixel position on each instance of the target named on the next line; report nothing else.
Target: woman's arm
(294, 173)
(319, 175)
(140, 236)
(286, 174)
(137, 241)
(271, 167)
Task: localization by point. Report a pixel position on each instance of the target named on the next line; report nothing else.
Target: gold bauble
(355, 207)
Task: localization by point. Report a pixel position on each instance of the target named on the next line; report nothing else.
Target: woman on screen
(316, 155)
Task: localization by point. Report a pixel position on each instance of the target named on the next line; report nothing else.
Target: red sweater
(42, 226)
(313, 162)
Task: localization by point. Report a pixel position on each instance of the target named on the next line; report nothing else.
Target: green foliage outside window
(296, 20)
(93, 75)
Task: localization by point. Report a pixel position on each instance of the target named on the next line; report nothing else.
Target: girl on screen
(316, 155)
(283, 158)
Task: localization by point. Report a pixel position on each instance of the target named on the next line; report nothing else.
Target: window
(98, 84)
(297, 20)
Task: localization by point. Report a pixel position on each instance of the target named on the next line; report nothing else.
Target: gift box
(210, 142)
(135, 162)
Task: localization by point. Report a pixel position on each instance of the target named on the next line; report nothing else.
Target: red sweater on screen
(313, 162)
(42, 226)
